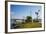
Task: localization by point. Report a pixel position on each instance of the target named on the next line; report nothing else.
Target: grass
(30, 25)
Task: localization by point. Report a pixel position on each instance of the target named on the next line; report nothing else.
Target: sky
(21, 11)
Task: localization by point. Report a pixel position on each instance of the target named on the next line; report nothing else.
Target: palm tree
(37, 14)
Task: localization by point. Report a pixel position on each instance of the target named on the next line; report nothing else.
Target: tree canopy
(28, 19)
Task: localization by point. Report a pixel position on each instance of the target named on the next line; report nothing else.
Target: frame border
(6, 16)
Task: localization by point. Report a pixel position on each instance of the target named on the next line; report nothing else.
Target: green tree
(29, 19)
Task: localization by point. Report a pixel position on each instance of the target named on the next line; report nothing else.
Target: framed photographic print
(21, 16)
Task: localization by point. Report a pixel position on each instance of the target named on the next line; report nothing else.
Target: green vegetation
(30, 25)
(29, 19)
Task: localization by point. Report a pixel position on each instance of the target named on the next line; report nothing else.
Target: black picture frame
(6, 16)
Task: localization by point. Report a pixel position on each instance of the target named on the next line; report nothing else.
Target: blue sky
(21, 11)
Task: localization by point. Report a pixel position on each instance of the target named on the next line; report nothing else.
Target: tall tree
(37, 14)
